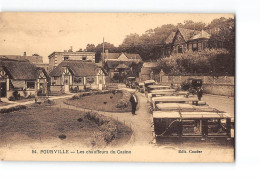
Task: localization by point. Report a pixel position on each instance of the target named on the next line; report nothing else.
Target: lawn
(101, 102)
(49, 124)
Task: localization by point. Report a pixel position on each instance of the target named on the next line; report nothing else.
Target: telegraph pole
(103, 56)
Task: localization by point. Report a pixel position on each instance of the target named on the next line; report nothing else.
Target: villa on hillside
(186, 39)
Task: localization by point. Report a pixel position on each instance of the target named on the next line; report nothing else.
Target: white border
(247, 163)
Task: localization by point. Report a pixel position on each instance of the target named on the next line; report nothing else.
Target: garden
(45, 123)
(109, 101)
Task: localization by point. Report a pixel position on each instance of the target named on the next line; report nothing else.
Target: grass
(100, 102)
(45, 124)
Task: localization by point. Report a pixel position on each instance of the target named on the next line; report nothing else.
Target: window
(66, 58)
(180, 49)
(30, 85)
(55, 78)
(77, 80)
(84, 58)
(195, 47)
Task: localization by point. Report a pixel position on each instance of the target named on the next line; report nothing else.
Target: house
(71, 74)
(186, 39)
(22, 77)
(146, 72)
(56, 58)
(118, 65)
(35, 59)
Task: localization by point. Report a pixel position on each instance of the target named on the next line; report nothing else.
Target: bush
(75, 97)
(124, 101)
(16, 95)
(16, 108)
(108, 126)
(11, 98)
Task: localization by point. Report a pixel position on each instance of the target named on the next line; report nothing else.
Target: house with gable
(22, 77)
(185, 40)
(118, 65)
(71, 74)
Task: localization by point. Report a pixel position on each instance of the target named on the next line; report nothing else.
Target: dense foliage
(211, 61)
(150, 46)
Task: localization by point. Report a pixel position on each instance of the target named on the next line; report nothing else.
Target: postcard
(117, 87)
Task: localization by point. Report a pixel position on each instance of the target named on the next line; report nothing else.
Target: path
(140, 123)
(17, 103)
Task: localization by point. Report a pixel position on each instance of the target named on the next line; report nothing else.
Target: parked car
(130, 82)
(192, 85)
(141, 87)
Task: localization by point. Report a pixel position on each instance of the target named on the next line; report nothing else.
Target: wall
(222, 85)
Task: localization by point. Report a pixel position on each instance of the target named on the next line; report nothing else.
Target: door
(3, 89)
(66, 84)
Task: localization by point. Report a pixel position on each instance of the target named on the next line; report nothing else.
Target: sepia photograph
(117, 87)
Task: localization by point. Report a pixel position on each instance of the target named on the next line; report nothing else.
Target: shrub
(16, 95)
(16, 108)
(11, 98)
(75, 97)
(108, 126)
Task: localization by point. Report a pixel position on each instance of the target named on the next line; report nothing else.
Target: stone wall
(221, 85)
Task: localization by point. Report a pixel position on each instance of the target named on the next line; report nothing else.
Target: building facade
(56, 58)
(186, 40)
(22, 77)
(79, 74)
(118, 65)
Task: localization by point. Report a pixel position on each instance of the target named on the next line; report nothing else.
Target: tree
(91, 48)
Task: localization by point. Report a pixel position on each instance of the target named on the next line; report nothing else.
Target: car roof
(149, 81)
(190, 115)
(173, 98)
(158, 86)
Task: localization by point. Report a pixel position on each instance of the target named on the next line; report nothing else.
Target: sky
(44, 33)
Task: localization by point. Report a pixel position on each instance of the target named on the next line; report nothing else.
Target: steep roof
(170, 38)
(20, 69)
(111, 55)
(188, 34)
(77, 68)
(201, 35)
(115, 63)
(114, 56)
(133, 56)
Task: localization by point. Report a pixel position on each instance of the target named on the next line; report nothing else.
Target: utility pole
(103, 56)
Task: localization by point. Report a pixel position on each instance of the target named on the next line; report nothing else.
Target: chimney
(24, 53)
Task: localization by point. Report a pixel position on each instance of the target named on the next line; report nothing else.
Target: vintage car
(130, 82)
(152, 88)
(173, 99)
(147, 83)
(157, 93)
(192, 85)
(201, 124)
(141, 87)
